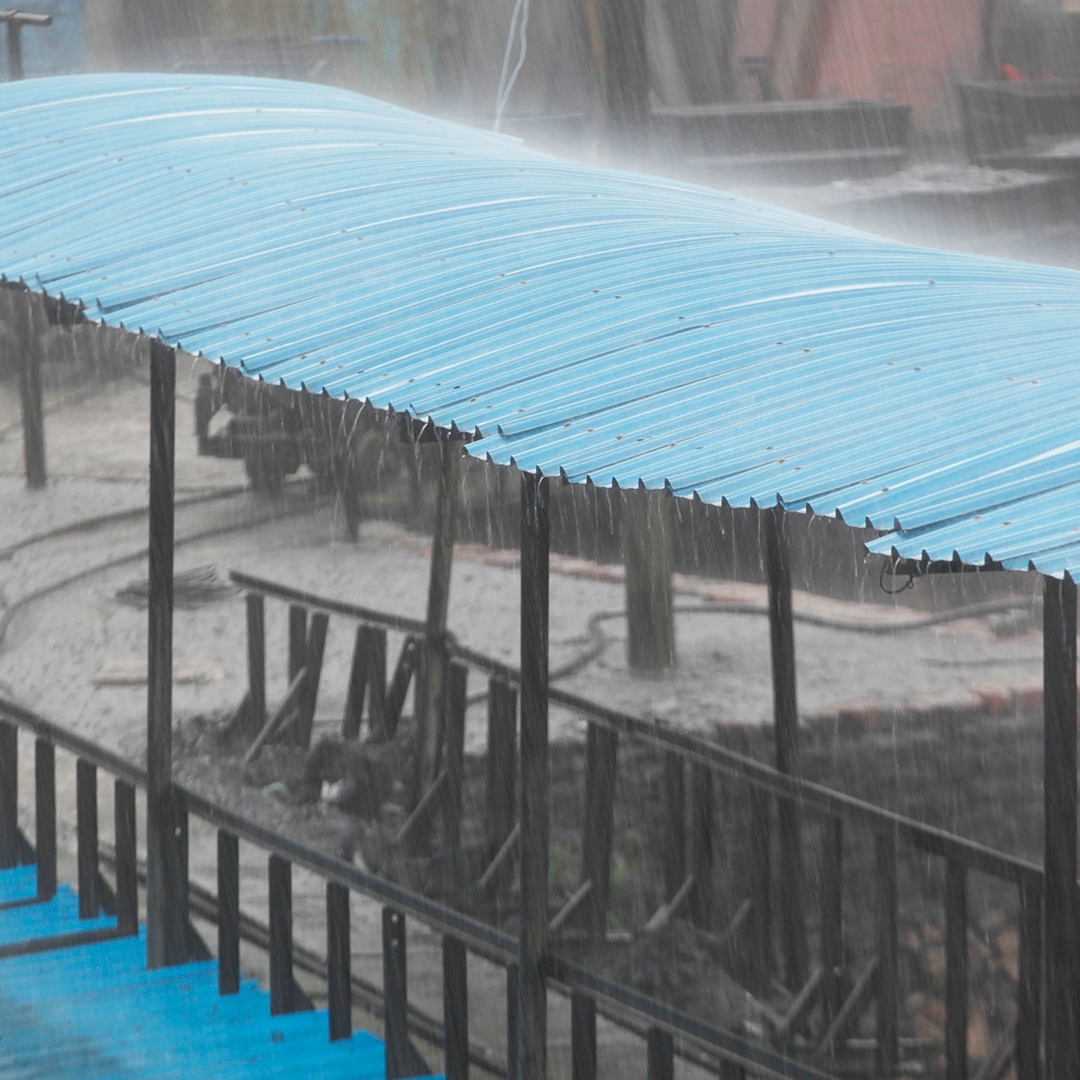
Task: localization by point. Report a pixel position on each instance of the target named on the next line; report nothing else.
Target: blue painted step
(18, 883)
(95, 1011)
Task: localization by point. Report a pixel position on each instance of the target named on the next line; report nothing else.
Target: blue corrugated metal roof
(596, 323)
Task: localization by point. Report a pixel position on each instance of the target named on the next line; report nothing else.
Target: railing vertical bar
(455, 1009)
(9, 795)
(298, 618)
(86, 809)
(601, 755)
(761, 887)
(832, 916)
(956, 971)
(127, 870)
(888, 1046)
(374, 648)
(702, 832)
(282, 998)
(513, 1022)
(582, 1037)
(256, 642)
(228, 883)
(456, 687)
(338, 961)
(674, 853)
(660, 1054)
(395, 996)
(313, 661)
(45, 816)
(354, 695)
(1029, 991)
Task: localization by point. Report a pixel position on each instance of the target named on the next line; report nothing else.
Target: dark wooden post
(1029, 990)
(338, 961)
(761, 887)
(313, 659)
(395, 996)
(887, 1052)
(45, 817)
(832, 916)
(298, 618)
(582, 1037)
(786, 730)
(86, 817)
(457, 684)
(166, 926)
(702, 813)
(256, 631)
(601, 750)
(674, 854)
(648, 554)
(1060, 925)
(501, 799)
(956, 973)
(533, 810)
(367, 677)
(434, 658)
(661, 1054)
(513, 1022)
(9, 795)
(282, 997)
(228, 883)
(30, 393)
(455, 1010)
(127, 865)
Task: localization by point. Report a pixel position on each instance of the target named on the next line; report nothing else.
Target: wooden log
(601, 750)
(533, 812)
(9, 795)
(1060, 907)
(887, 1051)
(702, 831)
(582, 1037)
(956, 972)
(455, 1010)
(86, 810)
(313, 659)
(338, 961)
(500, 790)
(256, 642)
(163, 946)
(457, 685)
(45, 817)
(127, 859)
(674, 853)
(228, 912)
(648, 553)
(282, 999)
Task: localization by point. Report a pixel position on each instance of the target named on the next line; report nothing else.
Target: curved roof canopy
(587, 322)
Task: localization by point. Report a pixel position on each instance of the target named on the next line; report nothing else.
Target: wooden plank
(282, 999)
(648, 555)
(45, 817)
(832, 916)
(399, 684)
(761, 888)
(313, 660)
(161, 854)
(86, 810)
(500, 858)
(127, 858)
(367, 678)
(9, 795)
(457, 685)
(228, 911)
(533, 811)
(660, 1054)
(338, 961)
(956, 972)
(354, 695)
(793, 940)
(501, 765)
(582, 1037)
(702, 832)
(601, 753)
(674, 853)
(1029, 990)
(297, 638)
(455, 1009)
(1060, 909)
(395, 996)
(887, 1050)
(255, 605)
(30, 392)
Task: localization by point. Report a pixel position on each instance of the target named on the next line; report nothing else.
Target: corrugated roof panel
(593, 323)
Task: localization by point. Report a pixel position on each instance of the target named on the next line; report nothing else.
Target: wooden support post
(501, 799)
(661, 1054)
(1060, 909)
(338, 961)
(86, 812)
(30, 393)
(1029, 990)
(457, 685)
(455, 1010)
(256, 631)
(282, 996)
(887, 1051)
(702, 829)
(761, 888)
(601, 751)
(166, 935)
(127, 860)
(513, 1022)
(956, 971)
(533, 810)
(431, 686)
(674, 853)
(298, 617)
(582, 1037)
(786, 730)
(45, 817)
(648, 554)
(228, 884)
(313, 658)
(9, 795)
(395, 996)
(832, 916)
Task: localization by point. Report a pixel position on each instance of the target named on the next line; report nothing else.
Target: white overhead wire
(519, 21)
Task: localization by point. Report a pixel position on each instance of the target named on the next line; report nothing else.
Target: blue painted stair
(94, 1010)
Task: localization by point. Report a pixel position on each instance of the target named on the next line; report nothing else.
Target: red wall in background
(912, 51)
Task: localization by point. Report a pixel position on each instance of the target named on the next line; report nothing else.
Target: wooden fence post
(86, 814)
(45, 817)
(127, 868)
(256, 631)
(455, 1009)
(674, 853)
(457, 684)
(1029, 990)
(601, 750)
(228, 884)
(395, 996)
(582, 1037)
(282, 996)
(648, 554)
(9, 795)
(338, 961)
(761, 887)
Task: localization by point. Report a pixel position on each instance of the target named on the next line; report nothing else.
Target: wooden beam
(533, 810)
